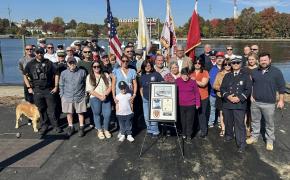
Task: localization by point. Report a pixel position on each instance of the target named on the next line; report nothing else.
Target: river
(12, 51)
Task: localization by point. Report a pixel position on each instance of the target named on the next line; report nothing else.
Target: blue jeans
(152, 127)
(101, 107)
(125, 122)
(212, 115)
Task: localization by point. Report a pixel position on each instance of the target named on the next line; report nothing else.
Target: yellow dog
(30, 111)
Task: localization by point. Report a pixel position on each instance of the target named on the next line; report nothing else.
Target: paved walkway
(90, 158)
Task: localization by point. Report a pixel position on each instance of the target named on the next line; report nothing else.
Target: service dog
(30, 111)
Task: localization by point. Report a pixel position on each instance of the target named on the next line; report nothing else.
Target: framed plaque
(162, 106)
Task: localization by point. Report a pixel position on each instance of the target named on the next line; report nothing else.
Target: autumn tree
(267, 22)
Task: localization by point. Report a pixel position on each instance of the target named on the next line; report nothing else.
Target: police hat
(60, 53)
(39, 50)
(236, 59)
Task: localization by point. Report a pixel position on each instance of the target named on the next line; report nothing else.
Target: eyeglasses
(39, 53)
(129, 51)
(233, 63)
(95, 67)
(254, 49)
(197, 63)
(87, 52)
(28, 49)
(229, 49)
(49, 47)
(227, 64)
(72, 62)
(126, 61)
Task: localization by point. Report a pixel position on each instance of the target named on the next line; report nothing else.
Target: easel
(165, 124)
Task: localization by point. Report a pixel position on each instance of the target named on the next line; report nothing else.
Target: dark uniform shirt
(60, 66)
(41, 74)
(239, 85)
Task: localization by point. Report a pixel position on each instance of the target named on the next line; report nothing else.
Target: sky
(94, 11)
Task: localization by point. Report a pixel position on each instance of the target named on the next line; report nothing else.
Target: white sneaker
(122, 138)
(130, 138)
(119, 135)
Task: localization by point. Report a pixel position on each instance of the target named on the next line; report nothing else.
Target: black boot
(81, 131)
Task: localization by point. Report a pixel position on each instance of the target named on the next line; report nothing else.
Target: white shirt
(51, 57)
(179, 62)
(124, 107)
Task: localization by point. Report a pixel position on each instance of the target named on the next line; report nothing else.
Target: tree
(268, 17)
(116, 21)
(247, 22)
(81, 30)
(282, 25)
(58, 21)
(72, 24)
(39, 22)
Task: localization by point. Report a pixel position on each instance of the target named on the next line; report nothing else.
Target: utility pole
(9, 14)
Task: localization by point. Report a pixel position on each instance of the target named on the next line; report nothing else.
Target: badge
(241, 83)
(156, 113)
(152, 78)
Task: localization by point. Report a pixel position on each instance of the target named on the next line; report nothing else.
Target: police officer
(235, 89)
(41, 79)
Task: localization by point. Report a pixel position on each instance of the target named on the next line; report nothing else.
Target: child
(124, 112)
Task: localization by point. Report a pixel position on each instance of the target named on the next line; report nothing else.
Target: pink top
(188, 92)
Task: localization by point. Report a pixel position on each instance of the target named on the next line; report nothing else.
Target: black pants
(187, 119)
(27, 96)
(46, 104)
(234, 118)
(202, 116)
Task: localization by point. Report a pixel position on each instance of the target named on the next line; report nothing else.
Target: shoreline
(178, 39)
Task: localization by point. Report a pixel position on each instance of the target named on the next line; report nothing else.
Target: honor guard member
(41, 80)
(235, 89)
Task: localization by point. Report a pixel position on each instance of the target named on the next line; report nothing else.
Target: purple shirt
(188, 92)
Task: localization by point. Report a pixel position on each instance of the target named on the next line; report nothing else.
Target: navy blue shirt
(145, 82)
(265, 85)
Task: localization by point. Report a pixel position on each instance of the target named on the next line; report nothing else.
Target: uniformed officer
(41, 80)
(235, 89)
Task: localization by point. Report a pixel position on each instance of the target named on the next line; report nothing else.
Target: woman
(201, 77)
(226, 68)
(174, 72)
(148, 75)
(252, 62)
(98, 85)
(124, 73)
(189, 101)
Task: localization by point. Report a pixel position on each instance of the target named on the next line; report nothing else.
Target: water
(12, 51)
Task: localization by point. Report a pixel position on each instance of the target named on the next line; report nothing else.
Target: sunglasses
(49, 47)
(227, 64)
(236, 63)
(198, 63)
(72, 62)
(28, 49)
(39, 53)
(129, 51)
(68, 50)
(87, 52)
(125, 61)
(95, 67)
(254, 49)
(229, 49)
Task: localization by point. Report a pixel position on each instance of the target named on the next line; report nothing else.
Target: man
(70, 53)
(235, 89)
(255, 48)
(247, 50)
(229, 53)
(72, 93)
(129, 52)
(205, 57)
(78, 49)
(41, 79)
(86, 63)
(181, 59)
(29, 55)
(212, 60)
(139, 59)
(267, 80)
(42, 43)
(159, 65)
(61, 62)
(107, 67)
(212, 98)
(50, 54)
(96, 47)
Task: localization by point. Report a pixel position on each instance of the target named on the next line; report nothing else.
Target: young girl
(124, 112)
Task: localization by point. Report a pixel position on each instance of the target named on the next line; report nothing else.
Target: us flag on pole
(114, 42)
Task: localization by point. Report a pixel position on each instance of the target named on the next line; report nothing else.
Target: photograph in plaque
(162, 102)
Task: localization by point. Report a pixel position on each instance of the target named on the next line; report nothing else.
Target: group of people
(216, 88)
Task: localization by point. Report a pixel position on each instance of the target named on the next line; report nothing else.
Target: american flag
(114, 42)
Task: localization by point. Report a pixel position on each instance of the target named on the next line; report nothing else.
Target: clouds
(262, 3)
